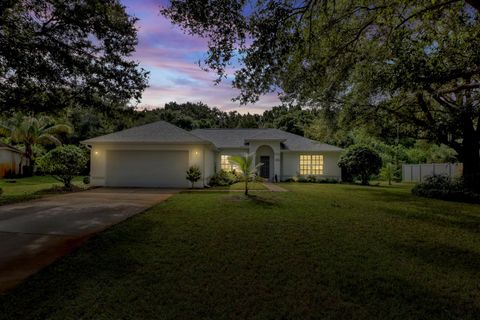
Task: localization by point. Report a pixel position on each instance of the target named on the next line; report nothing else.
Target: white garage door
(142, 168)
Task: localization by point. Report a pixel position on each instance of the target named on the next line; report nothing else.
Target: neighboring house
(10, 160)
(159, 154)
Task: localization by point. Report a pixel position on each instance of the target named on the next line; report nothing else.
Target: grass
(241, 186)
(317, 252)
(22, 189)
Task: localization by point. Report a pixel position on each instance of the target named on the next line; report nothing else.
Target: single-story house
(11, 160)
(158, 155)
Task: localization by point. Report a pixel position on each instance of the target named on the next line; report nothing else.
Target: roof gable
(156, 132)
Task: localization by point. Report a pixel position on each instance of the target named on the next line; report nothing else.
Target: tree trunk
(471, 161)
(31, 161)
(246, 186)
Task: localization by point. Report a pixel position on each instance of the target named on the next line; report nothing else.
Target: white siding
(418, 172)
(10, 161)
(209, 169)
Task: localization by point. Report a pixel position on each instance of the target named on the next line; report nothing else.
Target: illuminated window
(311, 164)
(225, 163)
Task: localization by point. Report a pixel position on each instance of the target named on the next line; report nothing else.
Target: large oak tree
(415, 61)
(58, 53)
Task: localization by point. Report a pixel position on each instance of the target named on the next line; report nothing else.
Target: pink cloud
(172, 56)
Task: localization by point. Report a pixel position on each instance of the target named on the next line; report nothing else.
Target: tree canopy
(55, 54)
(414, 62)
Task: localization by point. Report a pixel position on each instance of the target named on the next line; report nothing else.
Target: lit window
(311, 164)
(225, 163)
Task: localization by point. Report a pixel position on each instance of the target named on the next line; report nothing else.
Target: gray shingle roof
(238, 138)
(156, 132)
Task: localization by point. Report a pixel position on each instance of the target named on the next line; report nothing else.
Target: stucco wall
(197, 155)
(291, 164)
(209, 157)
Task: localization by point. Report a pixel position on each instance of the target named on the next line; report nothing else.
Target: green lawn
(15, 190)
(241, 186)
(317, 252)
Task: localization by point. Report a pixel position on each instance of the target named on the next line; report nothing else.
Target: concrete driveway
(35, 233)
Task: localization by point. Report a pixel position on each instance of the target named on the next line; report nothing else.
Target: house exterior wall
(291, 165)
(197, 155)
(285, 164)
(209, 161)
(9, 162)
(275, 162)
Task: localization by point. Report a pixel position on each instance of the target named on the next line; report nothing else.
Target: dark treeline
(395, 143)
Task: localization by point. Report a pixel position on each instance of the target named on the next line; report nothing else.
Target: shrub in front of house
(360, 163)
(64, 163)
(327, 180)
(312, 179)
(86, 180)
(223, 178)
(444, 188)
(1, 192)
(193, 175)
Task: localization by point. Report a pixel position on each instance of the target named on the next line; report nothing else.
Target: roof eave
(91, 142)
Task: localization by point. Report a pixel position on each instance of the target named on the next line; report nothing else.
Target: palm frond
(58, 128)
(48, 138)
(5, 131)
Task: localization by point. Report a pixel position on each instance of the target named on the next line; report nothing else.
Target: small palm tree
(388, 172)
(31, 131)
(246, 166)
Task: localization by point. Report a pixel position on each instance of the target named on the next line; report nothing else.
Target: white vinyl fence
(418, 172)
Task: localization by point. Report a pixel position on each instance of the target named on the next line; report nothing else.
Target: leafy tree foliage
(415, 61)
(64, 163)
(55, 54)
(193, 174)
(361, 162)
(31, 132)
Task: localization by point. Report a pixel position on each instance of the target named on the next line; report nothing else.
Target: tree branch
(460, 88)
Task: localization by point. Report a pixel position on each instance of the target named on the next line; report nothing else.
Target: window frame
(225, 163)
(311, 164)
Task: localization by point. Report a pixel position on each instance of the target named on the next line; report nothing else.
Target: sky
(172, 58)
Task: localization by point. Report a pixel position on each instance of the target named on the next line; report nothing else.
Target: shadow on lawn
(255, 199)
(442, 255)
(393, 297)
(466, 221)
(90, 269)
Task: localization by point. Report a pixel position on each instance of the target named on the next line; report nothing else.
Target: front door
(265, 168)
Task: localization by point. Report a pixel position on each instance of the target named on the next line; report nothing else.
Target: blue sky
(172, 59)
